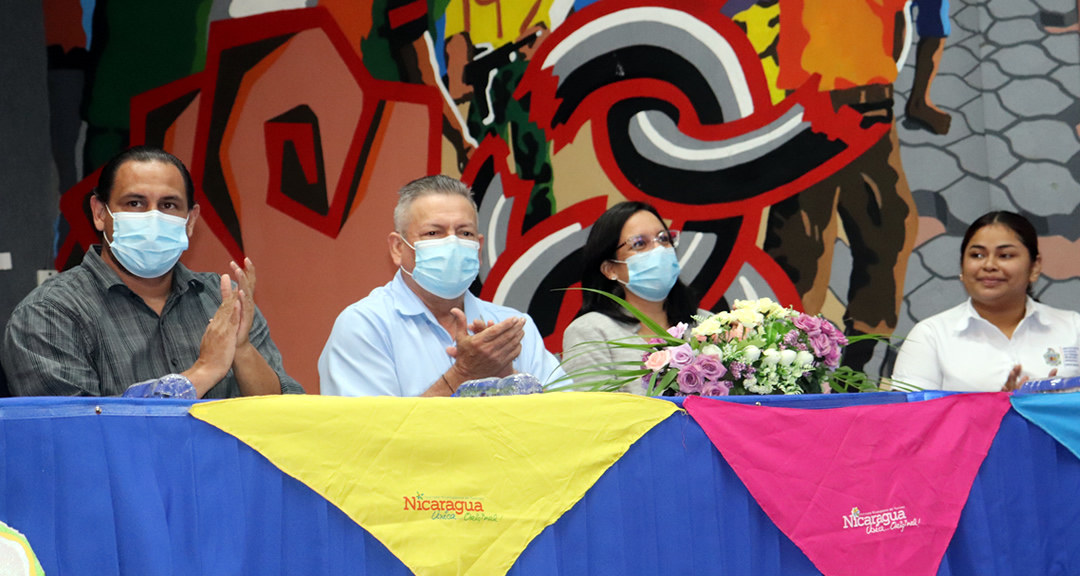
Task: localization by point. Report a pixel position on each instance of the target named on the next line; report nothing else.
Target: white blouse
(958, 350)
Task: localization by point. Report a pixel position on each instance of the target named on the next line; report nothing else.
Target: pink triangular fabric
(863, 489)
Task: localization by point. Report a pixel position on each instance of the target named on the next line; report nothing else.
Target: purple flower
(833, 356)
(737, 370)
(677, 330)
(827, 348)
(791, 338)
(822, 344)
(809, 324)
(715, 388)
(681, 356)
(835, 333)
(690, 380)
(710, 366)
(645, 381)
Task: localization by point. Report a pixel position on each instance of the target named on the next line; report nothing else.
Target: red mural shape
(521, 249)
(296, 152)
(562, 104)
(285, 134)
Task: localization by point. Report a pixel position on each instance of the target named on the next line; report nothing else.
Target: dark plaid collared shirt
(84, 333)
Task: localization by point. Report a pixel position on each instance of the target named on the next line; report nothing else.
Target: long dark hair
(600, 247)
(1022, 227)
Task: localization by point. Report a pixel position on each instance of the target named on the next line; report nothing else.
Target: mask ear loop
(616, 278)
(104, 232)
(410, 246)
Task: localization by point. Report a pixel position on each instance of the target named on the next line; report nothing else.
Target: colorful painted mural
(828, 154)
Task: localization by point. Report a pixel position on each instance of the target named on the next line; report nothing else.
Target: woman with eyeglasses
(630, 253)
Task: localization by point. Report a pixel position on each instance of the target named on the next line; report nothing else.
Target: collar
(407, 303)
(106, 278)
(969, 315)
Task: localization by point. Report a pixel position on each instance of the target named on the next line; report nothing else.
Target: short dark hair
(1022, 227)
(141, 154)
(601, 246)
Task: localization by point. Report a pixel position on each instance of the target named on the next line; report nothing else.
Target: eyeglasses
(642, 243)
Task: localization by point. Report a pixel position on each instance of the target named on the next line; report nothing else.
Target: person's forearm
(446, 384)
(254, 374)
(202, 377)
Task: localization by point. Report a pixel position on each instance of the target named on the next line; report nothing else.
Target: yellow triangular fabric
(448, 485)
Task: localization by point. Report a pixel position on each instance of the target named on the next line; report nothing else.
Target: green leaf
(668, 378)
(658, 330)
(652, 385)
(619, 372)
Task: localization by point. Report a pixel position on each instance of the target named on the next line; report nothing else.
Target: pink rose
(736, 332)
(809, 324)
(677, 330)
(657, 360)
(710, 366)
(821, 343)
(837, 336)
(833, 357)
(681, 356)
(690, 380)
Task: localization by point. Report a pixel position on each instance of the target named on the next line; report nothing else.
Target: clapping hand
(1015, 381)
(245, 283)
(218, 346)
(489, 350)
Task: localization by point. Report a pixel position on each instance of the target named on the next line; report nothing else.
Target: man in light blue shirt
(424, 334)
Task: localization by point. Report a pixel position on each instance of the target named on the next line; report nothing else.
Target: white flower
(707, 327)
(770, 357)
(787, 357)
(777, 311)
(747, 317)
(751, 353)
(804, 358)
(763, 306)
(751, 384)
(712, 350)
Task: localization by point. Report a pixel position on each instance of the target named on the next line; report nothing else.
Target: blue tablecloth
(141, 488)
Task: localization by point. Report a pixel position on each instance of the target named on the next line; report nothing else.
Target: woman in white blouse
(1000, 337)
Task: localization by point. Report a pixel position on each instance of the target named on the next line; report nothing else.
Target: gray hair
(437, 184)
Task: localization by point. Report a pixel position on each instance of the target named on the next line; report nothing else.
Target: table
(116, 486)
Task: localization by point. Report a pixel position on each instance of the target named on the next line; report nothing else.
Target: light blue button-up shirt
(390, 344)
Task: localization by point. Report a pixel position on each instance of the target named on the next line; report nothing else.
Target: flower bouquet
(759, 347)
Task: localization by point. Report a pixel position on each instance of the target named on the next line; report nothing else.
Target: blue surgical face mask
(447, 266)
(147, 244)
(652, 273)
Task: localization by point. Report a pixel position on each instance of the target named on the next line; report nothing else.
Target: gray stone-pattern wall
(1013, 91)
